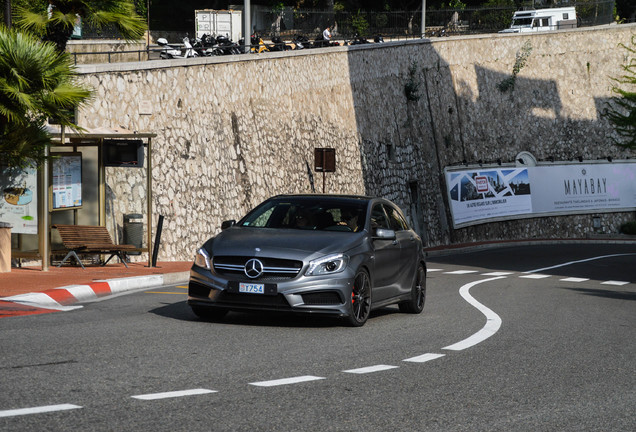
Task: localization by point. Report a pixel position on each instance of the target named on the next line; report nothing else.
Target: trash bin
(5, 247)
(133, 231)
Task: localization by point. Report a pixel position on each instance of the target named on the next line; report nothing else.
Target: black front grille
(322, 298)
(247, 300)
(274, 269)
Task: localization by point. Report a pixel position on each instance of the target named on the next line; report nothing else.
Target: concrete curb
(471, 247)
(64, 298)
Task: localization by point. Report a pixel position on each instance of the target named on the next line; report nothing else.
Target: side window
(378, 218)
(395, 219)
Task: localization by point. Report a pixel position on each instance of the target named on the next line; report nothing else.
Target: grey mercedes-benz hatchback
(327, 254)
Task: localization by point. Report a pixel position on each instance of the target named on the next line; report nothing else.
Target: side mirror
(228, 223)
(384, 234)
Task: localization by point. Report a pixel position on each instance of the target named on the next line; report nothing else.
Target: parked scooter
(172, 52)
(357, 40)
(258, 45)
(301, 42)
(225, 46)
(279, 45)
(204, 46)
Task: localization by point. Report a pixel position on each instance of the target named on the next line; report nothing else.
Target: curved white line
(579, 261)
(493, 321)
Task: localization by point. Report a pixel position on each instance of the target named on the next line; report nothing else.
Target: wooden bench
(87, 239)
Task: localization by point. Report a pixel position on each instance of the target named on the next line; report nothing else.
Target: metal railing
(392, 25)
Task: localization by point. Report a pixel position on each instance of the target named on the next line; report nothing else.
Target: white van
(543, 20)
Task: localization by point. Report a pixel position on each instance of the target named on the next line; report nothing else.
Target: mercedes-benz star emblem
(253, 268)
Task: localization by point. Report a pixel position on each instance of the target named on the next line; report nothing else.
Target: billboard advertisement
(485, 194)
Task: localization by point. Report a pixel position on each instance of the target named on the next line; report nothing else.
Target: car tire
(415, 304)
(360, 300)
(209, 314)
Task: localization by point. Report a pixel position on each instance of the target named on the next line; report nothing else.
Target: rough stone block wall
(235, 130)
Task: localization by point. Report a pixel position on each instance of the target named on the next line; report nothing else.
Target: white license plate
(251, 288)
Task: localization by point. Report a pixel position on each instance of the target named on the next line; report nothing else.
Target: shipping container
(219, 23)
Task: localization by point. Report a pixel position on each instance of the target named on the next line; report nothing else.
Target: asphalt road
(535, 338)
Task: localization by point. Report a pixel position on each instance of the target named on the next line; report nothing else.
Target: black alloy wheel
(415, 304)
(360, 302)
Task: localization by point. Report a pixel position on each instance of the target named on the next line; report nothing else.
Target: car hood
(282, 243)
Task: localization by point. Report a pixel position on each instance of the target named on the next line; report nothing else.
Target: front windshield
(302, 213)
(522, 22)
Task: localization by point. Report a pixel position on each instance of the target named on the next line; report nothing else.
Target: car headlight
(328, 265)
(202, 259)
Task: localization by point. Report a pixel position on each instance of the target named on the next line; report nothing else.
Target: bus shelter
(71, 188)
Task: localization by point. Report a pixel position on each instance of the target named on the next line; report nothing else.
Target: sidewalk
(33, 279)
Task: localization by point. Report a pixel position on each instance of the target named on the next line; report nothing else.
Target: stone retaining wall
(235, 130)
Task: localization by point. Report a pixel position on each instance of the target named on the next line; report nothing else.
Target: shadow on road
(618, 295)
(583, 260)
(181, 311)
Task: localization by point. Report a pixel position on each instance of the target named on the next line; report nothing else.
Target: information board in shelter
(66, 181)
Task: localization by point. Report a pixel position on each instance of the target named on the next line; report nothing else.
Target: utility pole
(7, 13)
(423, 18)
(247, 36)
(148, 29)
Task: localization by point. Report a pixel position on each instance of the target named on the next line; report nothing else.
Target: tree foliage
(56, 21)
(36, 83)
(622, 111)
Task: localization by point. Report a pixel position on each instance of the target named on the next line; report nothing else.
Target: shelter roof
(96, 133)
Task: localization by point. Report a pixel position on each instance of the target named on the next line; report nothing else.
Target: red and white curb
(65, 298)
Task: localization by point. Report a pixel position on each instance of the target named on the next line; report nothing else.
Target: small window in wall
(390, 152)
(545, 22)
(565, 16)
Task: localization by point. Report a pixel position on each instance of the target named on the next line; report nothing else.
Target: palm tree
(55, 23)
(36, 83)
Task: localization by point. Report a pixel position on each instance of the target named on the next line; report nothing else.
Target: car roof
(336, 196)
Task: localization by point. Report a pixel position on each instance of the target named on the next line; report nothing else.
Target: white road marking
(173, 394)
(434, 270)
(38, 410)
(534, 276)
(613, 282)
(424, 358)
(461, 272)
(286, 381)
(579, 261)
(574, 279)
(497, 274)
(493, 321)
(370, 369)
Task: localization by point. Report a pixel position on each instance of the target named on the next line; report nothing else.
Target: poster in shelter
(18, 205)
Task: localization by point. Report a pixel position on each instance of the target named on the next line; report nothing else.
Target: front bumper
(314, 295)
